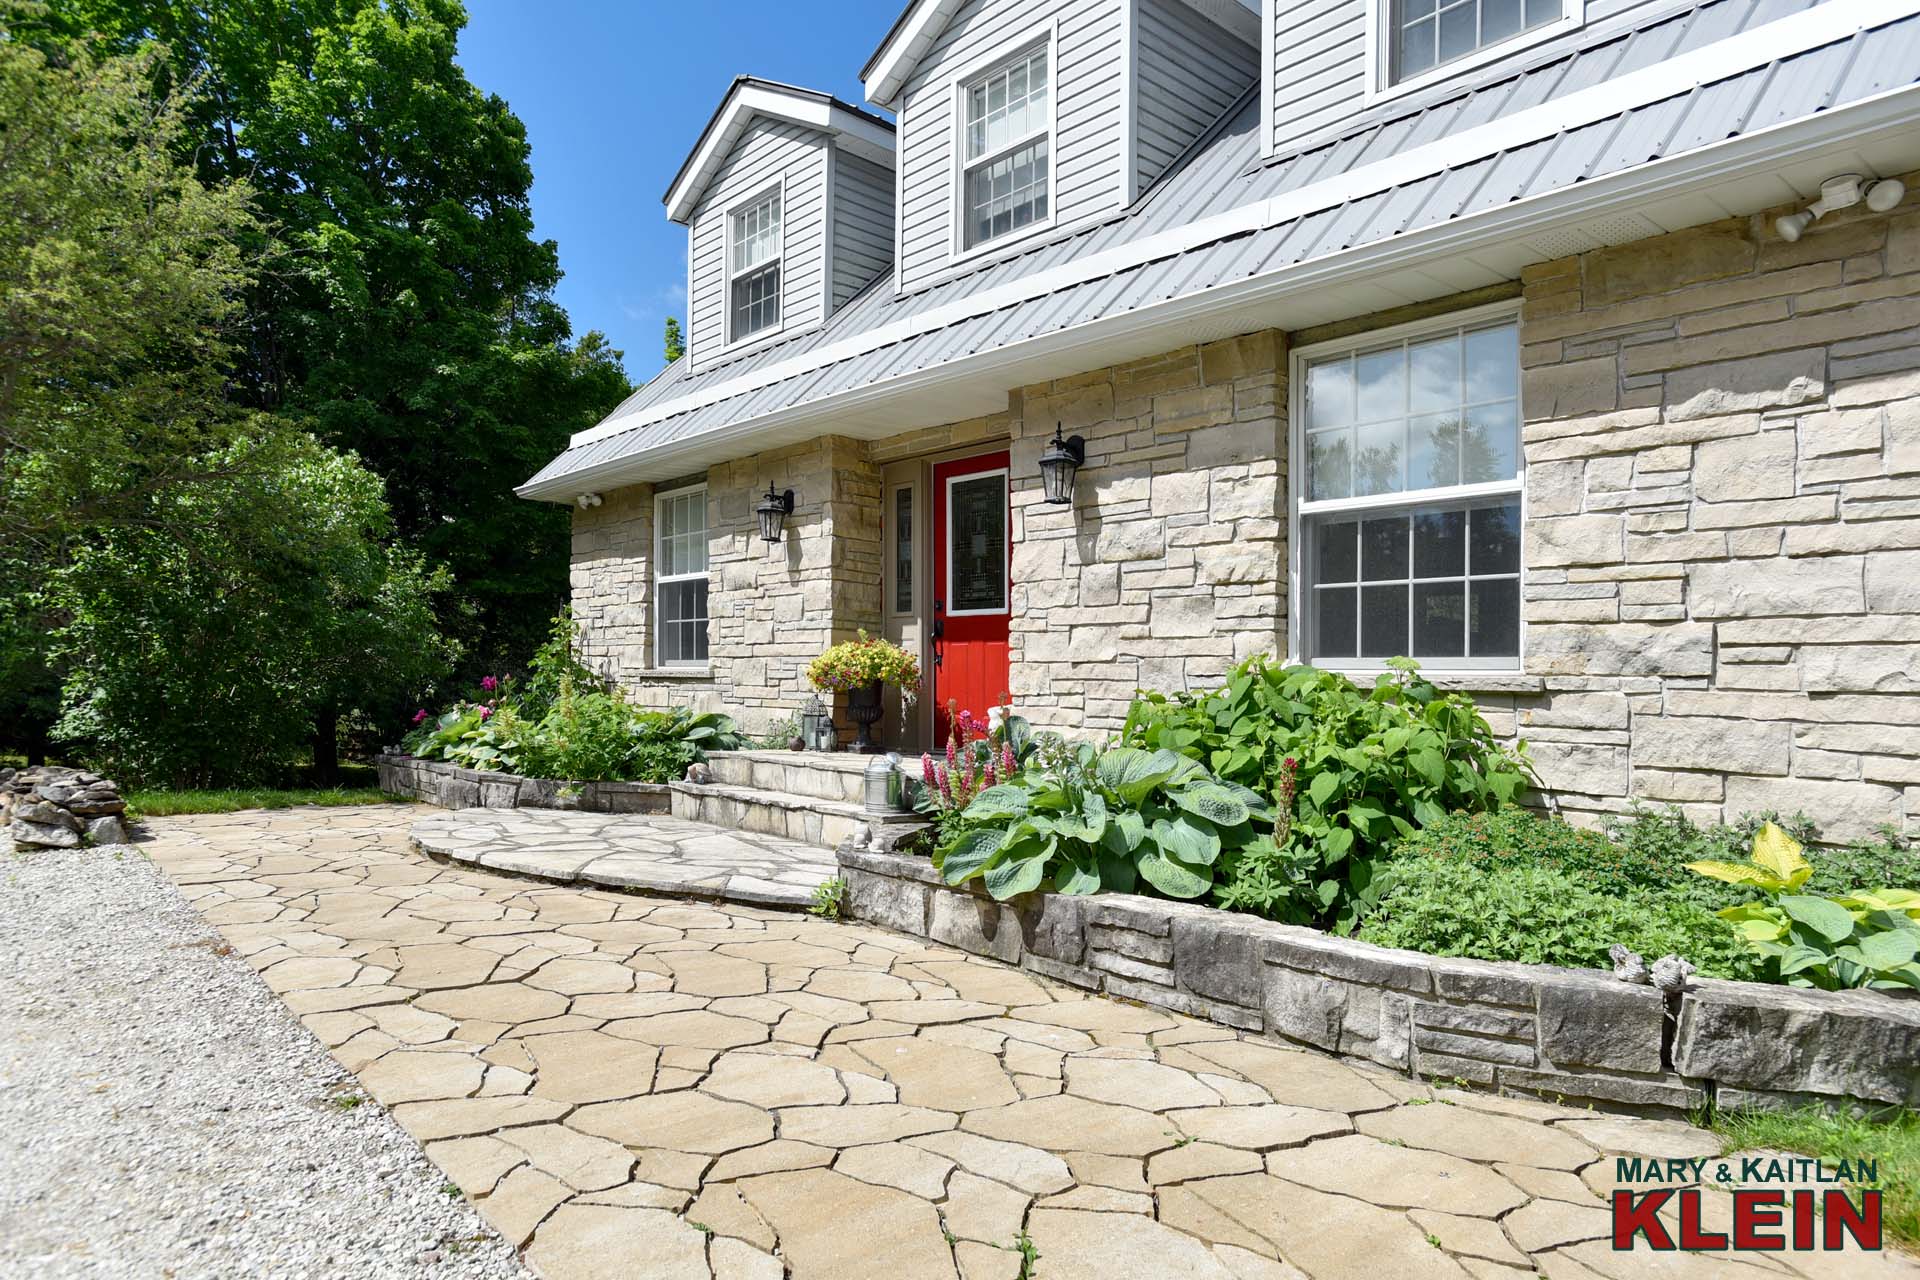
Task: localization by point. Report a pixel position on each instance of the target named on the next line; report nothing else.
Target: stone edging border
(452, 787)
(1533, 1029)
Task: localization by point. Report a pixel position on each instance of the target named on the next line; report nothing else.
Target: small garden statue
(860, 668)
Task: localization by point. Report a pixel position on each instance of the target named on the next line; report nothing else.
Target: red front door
(972, 569)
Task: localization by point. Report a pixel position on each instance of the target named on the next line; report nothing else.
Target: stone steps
(810, 819)
(835, 777)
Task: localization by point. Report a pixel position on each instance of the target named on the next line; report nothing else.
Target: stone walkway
(638, 1088)
(650, 852)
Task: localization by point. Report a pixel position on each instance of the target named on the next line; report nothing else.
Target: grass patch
(1891, 1139)
(162, 804)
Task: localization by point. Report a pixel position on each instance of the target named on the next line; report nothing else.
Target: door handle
(939, 628)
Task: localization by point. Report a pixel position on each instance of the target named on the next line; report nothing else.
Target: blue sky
(613, 96)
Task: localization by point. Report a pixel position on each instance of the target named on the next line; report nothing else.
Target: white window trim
(958, 249)
(1380, 84)
(946, 543)
(660, 579)
(1459, 495)
(738, 342)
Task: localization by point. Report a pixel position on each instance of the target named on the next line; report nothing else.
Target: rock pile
(53, 808)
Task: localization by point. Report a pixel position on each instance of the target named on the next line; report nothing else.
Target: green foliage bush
(1865, 939)
(1537, 915)
(202, 650)
(1364, 767)
(1516, 837)
(560, 722)
(1085, 821)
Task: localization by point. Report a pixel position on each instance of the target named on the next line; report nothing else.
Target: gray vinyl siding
(768, 151)
(1088, 75)
(862, 224)
(1189, 72)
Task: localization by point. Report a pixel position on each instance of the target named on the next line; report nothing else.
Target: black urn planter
(865, 710)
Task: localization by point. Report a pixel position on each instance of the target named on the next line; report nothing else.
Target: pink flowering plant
(868, 660)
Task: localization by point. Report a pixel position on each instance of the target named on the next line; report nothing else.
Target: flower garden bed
(453, 787)
(1534, 1029)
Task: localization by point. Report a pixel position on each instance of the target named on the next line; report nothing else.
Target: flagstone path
(632, 1087)
(654, 853)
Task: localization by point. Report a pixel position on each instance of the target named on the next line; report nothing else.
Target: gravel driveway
(164, 1114)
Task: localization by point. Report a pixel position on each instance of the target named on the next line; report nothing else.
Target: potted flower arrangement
(858, 668)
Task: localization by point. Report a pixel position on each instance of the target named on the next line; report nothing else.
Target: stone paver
(650, 852)
(639, 1087)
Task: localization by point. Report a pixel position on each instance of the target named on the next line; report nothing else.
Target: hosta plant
(1366, 766)
(1084, 821)
(1870, 938)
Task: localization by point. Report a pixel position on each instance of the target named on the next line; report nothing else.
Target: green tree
(412, 321)
(120, 283)
(676, 342)
(212, 642)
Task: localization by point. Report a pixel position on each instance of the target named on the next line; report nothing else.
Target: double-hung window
(753, 271)
(1409, 505)
(680, 577)
(1007, 127)
(1424, 34)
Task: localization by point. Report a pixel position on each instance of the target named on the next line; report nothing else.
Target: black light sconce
(1058, 463)
(773, 511)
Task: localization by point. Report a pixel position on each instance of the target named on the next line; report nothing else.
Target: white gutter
(1813, 28)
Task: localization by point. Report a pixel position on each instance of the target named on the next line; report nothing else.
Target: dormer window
(1425, 34)
(1007, 127)
(754, 271)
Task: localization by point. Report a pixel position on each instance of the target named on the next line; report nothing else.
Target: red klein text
(1763, 1220)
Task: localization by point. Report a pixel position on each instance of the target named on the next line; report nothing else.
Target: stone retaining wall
(1536, 1029)
(452, 787)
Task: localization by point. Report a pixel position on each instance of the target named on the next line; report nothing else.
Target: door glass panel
(903, 550)
(977, 544)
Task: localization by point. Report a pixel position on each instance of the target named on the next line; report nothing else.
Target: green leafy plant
(1367, 768)
(1111, 820)
(1870, 938)
(1537, 915)
(1516, 837)
(829, 900)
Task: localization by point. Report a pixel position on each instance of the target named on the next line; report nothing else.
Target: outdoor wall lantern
(1058, 463)
(773, 510)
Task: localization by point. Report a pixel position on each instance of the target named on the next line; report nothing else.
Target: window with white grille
(1424, 34)
(754, 269)
(680, 577)
(1408, 530)
(1007, 127)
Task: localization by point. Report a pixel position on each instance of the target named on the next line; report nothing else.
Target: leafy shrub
(561, 722)
(1665, 838)
(1866, 939)
(1515, 837)
(1369, 767)
(1086, 821)
(1537, 915)
(555, 666)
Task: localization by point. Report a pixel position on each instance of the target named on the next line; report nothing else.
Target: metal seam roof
(1855, 65)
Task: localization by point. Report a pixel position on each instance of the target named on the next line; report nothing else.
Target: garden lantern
(1058, 463)
(816, 726)
(773, 511)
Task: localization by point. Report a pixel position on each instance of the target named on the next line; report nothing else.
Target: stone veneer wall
(1722, 539)
(1168, 568)
(1560, 1033)
(772, 609)
(1723, 521)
